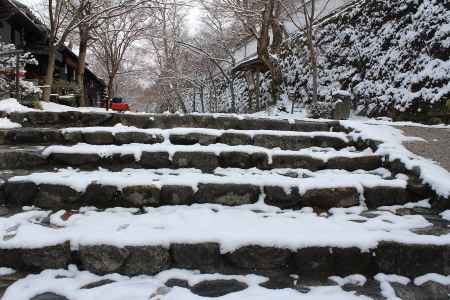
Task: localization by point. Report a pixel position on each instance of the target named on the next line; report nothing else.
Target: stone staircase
(295, 201)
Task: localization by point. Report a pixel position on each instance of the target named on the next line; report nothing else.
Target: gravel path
(437, 146)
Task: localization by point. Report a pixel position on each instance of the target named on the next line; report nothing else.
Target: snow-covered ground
(231, 227)
(69, 282)
(72, 284)
(6, 271)
(79, 180)
(6, 123)
(323, 154)
(12, 105)
(119, 128)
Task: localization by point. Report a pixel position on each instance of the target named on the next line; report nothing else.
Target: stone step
(72, 189)
(287, 140)
(78, 119)
(206, 158)
(223, 240)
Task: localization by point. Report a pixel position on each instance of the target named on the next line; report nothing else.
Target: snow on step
(194, 156)
(82, 285)
(119, 128)
(137, 149)
(212, 156)
(208, 237)
(289, 140)
(68, 188)
(6, 123)
(83, 119)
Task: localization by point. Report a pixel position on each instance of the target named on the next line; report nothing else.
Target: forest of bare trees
(145, 50)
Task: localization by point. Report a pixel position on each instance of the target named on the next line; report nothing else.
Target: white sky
(29, 2)
(193, 18)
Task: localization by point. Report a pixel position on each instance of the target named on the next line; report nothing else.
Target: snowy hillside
(392, 55)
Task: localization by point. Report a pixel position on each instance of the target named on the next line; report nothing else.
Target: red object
(120, 106)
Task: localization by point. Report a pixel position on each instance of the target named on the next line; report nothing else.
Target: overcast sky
(193, 17)
(29, 2)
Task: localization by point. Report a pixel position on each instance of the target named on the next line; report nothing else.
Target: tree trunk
(315, 72)
(194, 108)
(84, 36)
(233, 96)
(269, 21)
(110, 91)
(257, 92)
(202, 100)
(180, 100)
(249, 77)
(50, 71)
(310, 18)
(213, 95)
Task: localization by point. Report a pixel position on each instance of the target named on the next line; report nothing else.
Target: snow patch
(231, 227)
(441, 279)
(6, 123)
(385, 284)
(68, 283)
(355, 279)
(12, 105)
(6, 271)
(79, 180)
(446, 215)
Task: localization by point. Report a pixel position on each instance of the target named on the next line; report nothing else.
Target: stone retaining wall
(313, 262)
(78, 119)
(54, 196)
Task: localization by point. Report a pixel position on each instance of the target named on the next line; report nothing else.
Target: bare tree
(261, 20)
(168, 52)
(217, 62)
(312, 12)
(92, 15)
(113, 38)
(63, 17)
(220, 42)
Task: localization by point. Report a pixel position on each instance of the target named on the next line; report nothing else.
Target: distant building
(246, 54)
(20, 27)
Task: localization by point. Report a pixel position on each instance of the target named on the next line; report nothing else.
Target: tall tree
(113, 38)
(62, 21)
(261, 21)
(168, 52)
(311, 11)
(92, 15)
(221, 42)
(63, 18)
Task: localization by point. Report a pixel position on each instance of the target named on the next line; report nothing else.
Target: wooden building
(19, 26)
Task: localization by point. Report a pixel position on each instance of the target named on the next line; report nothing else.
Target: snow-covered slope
(392, 55)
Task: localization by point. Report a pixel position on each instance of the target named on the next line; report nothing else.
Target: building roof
(20, 13)
(251, 64)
